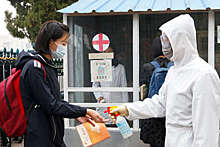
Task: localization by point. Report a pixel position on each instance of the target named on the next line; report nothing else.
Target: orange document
(91, 135)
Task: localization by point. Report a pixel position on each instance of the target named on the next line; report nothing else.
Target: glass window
(82, 30)
(217, 45)
(201, 23)
(149, 30)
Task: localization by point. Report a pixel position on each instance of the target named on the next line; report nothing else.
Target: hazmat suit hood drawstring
(182, 36)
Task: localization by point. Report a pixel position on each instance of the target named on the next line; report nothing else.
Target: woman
(41, 93)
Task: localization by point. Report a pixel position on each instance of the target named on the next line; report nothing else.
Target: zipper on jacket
(55, 131)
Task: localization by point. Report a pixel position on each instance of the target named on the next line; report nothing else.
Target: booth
(131, 26)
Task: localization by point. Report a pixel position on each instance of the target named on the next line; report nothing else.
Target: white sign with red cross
(100, 42)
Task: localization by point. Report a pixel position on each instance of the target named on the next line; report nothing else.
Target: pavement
(18, 144)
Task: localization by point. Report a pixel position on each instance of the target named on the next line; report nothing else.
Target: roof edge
(130, 12)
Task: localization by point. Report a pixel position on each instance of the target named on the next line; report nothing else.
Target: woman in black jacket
(41, 93)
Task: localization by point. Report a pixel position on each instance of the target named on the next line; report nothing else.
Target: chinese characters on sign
(101, 70)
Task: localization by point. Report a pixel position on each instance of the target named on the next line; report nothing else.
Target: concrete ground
(18, 144)
(13, 143)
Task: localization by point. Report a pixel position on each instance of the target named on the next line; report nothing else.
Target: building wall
(217, 45)
(9, 42)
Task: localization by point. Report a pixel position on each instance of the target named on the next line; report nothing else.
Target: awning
(131, 6)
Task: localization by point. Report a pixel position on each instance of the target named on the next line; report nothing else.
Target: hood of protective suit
(181, 33)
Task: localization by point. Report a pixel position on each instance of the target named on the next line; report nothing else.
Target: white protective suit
(190, 95)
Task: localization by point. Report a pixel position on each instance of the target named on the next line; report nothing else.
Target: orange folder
(91, 135)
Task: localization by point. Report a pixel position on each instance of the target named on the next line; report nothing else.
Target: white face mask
(166, 47)
(60, 51)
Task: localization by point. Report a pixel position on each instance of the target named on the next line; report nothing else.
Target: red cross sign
(100, 42)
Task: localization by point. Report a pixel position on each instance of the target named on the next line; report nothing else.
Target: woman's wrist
(88, 111)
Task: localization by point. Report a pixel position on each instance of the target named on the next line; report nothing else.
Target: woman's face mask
(166, 46)
(59, 52)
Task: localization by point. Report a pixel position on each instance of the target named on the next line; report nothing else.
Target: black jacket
(45, 124)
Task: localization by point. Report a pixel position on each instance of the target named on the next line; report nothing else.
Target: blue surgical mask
(60, 51)
(166, 47)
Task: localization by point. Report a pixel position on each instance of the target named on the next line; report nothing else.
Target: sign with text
(93, 56)
(101, 70)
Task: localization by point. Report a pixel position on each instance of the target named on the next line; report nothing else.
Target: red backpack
(13, 120)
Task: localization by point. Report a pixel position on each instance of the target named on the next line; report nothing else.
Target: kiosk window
(82, 30)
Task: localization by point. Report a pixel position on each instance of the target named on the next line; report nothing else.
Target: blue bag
(157, 78)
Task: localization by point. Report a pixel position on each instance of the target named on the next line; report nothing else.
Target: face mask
(166, 47)
(60, 51)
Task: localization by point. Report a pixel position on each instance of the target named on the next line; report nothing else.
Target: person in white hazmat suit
(190, 95)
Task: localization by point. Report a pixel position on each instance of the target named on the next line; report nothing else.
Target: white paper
(101, 70)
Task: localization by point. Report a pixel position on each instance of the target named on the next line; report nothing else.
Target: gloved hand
(122, 110)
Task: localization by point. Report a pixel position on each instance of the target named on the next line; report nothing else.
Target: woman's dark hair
(50, 30)
(113, 49)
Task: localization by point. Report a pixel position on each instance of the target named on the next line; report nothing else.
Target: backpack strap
(33, 105)
(155, 64)
(39, 65)
(170, 64)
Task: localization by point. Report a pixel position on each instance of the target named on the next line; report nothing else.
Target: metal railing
(8, 59)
